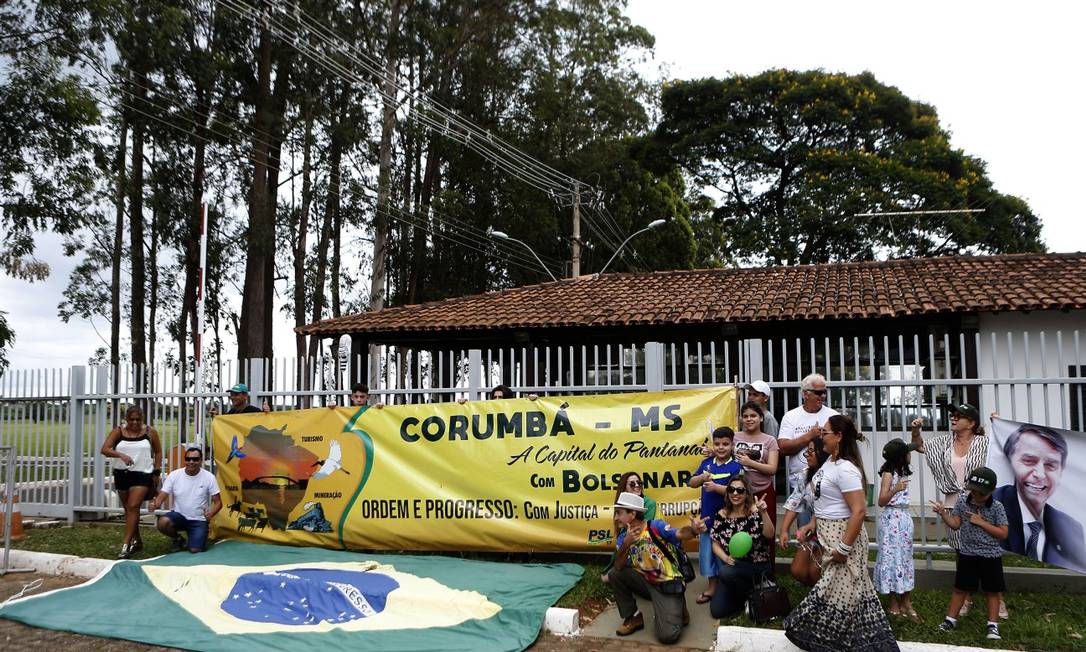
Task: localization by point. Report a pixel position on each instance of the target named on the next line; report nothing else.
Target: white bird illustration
(333, 463)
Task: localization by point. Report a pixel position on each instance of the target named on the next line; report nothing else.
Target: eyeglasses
(817, 392)
(737, 490)
(192, 459)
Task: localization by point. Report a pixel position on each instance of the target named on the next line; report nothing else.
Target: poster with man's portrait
(1039, 473)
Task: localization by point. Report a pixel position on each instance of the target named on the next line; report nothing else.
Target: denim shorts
(707, 561)
(197, 530)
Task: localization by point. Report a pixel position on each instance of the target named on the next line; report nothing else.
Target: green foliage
(7, 338)
(47, 173)
(793, 157)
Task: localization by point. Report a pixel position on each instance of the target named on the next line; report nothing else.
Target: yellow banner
(485, 475)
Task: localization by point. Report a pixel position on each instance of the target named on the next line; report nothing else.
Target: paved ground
(699, 635)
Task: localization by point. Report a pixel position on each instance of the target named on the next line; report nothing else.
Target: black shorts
(125, 480)
(985, 571)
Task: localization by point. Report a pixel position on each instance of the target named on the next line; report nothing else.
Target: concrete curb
(734, 639)
(563, 622)
(51, 564)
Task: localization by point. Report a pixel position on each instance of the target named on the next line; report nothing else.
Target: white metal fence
(57, 419)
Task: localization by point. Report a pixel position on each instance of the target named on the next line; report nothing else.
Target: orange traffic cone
(17, 533)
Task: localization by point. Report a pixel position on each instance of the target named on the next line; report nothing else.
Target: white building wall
(1034, 347)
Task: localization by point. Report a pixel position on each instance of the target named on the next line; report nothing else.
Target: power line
(448, 122)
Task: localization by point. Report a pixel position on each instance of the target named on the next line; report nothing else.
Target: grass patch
(101, 542)
(1039, 621)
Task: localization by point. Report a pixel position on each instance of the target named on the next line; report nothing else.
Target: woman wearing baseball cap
(952, 457)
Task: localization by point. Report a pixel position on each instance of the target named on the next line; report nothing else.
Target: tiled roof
(896, 288)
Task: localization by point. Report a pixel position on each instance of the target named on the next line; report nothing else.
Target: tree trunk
(260, 238)
(301, 235)
(152, 263)
(384, 175)
(118, 247)
(136, 244)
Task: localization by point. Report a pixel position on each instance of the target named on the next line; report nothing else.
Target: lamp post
(652, 225)
(503, 236)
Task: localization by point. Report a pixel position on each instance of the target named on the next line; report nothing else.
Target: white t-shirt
(830, 483)
(796, 423)
(191, 493)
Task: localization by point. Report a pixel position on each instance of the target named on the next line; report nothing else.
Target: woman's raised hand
(917, 423)
(760, 503)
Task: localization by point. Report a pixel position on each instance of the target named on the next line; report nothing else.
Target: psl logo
(597, 537)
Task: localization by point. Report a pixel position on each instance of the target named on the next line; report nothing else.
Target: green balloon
(740, 544)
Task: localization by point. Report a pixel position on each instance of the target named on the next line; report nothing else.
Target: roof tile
(830, 291)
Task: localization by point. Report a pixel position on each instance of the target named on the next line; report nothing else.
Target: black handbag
(768, 600)
(673, 553)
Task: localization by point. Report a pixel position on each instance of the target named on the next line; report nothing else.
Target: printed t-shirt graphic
(647, 558)
(711, 502)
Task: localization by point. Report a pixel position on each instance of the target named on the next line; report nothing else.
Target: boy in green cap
(981, 523)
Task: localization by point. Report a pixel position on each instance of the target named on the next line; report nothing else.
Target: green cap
(240, 388)
(982, 479)
(896, 448)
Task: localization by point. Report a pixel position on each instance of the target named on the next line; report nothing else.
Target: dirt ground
(19, 637)
(16, 637)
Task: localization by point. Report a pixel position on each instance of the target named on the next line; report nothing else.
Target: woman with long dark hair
(806, 562)
(137, 465)
(842, 611)
(743, 511)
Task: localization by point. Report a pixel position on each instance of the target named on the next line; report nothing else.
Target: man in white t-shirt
(799, 427)
(196, 501)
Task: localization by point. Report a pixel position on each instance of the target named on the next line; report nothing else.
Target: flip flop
(704, 597)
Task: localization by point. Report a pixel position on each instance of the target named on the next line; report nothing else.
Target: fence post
(476, 391)
(256, 381)
(77, 385)
(654, 366)
(101, 387)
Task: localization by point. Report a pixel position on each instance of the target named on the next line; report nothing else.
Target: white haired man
(799, 427)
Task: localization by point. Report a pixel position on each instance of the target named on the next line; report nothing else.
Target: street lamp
(503, 236)
(652, 225)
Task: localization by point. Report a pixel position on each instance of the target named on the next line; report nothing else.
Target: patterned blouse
(938, 451)
(801, 500)
(724, 527)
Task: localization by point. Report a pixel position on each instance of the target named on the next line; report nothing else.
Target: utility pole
(575, 241)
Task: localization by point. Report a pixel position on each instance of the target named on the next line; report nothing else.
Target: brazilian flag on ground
(243, 596)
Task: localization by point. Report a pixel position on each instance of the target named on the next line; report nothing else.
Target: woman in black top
(742, 512)
(137, 467)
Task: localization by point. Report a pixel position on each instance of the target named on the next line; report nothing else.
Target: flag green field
(244, 596)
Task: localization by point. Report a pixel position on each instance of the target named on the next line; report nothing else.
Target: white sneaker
(966, 606)
(1003, 615)
(993, 632)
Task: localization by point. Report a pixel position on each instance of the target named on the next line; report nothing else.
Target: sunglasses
(192, 459)
(737, 490)
(633, 483)
(817, 392)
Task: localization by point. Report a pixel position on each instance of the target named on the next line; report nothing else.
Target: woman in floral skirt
(842, 611)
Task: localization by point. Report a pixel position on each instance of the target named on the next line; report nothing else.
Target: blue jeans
(733, 587)
(197, 530)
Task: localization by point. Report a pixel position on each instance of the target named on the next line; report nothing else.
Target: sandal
(704, 597)
(913, 616)
(894, 614)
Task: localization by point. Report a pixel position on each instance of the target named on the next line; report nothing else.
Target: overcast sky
(1005, 77)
